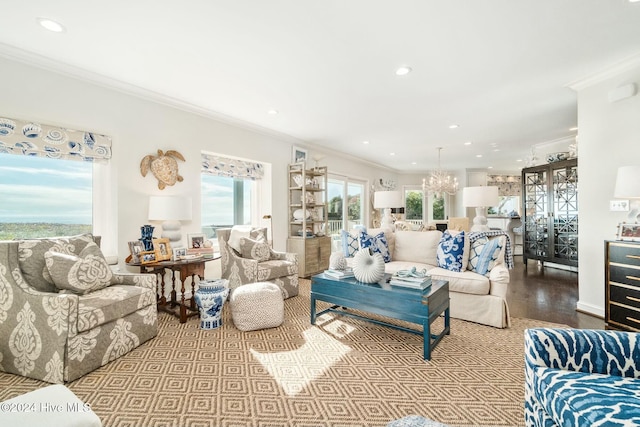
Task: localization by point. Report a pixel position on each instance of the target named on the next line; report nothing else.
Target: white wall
(139, 127)
(609, 136)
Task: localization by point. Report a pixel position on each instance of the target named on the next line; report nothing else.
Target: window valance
(234, 168)
(33, 139)
(508, 185)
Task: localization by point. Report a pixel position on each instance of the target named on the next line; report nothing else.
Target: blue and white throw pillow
(377, 243)
(350, 243)
(484, 254)
(450, 251)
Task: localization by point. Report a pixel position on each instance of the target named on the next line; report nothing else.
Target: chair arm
(589, 351)
(143, 280)
(284, 256)
(499, 277)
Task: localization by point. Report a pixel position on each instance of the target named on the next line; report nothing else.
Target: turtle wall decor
(164, 167)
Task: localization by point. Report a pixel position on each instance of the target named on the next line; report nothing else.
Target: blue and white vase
(146, 232)
(210, 297)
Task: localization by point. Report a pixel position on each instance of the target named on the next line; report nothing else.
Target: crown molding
(605, 74)
(26, 57)
(48, 64)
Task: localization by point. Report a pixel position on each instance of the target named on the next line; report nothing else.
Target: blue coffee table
(397, 302)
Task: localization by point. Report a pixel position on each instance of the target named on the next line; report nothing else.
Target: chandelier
(440, 182)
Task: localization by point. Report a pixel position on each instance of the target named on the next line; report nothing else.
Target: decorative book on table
(201, 252)
(411, 282)
(339, 274)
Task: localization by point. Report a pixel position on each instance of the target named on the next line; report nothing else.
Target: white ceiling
(498, 68)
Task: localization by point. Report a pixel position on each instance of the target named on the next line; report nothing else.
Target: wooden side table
(185, 307)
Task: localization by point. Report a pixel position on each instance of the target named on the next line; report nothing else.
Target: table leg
(192, 303)
(183, 307)
(162, 299)
(447, 321)
(173, 289)
(426, 337)
(313, 309)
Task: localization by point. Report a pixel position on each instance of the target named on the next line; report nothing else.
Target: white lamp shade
(387, 199)
(628, 182)
(170, 208)
(473, 197)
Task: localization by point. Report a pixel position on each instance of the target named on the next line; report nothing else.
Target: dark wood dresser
(622, 285)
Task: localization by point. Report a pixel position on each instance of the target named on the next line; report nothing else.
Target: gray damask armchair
(257, 262)
(63, 313)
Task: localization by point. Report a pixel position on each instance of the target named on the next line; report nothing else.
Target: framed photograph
(135, 248)
(179, 253)
(298, 155)
(629, 232)
(162, 248)
(147, 257)
(195, 241)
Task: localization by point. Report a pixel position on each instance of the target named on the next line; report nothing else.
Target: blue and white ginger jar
(210, 297)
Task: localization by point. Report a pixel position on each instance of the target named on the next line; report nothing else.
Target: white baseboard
(590, 309)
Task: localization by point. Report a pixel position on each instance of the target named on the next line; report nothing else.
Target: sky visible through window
(218, 201)
(39, 189)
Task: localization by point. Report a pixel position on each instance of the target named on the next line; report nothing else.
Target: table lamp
(480, 198)
(171, 210)
(628, 187)
(386, 200)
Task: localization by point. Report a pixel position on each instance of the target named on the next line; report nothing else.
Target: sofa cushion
(484, 254)
(115, 302)
(585, 399)
(80, 274)
(32, 262)
(465, 282)
(350, 243)
(377, 244)
(450, 253)
(416, 246)
(254, 249)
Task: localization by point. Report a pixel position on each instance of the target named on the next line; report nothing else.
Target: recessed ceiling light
(518, 160)
(489, 167)
(51, 25)
(634, 1)
(454, 126)
(392, 154)
(496, 150)
(403, 71)
(414, 163)
(576, 128)
(478, 155)
(467, 143)
(365, 142)
(272, 112)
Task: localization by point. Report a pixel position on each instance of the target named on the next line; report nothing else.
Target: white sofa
(473, 297)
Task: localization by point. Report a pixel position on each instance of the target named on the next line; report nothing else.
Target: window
(413, 204)
(234, 192)
(225, 202)
(346, 204)
(44, 197)
(415, 209)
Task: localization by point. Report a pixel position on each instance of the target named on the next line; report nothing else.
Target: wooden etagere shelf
(308, 218)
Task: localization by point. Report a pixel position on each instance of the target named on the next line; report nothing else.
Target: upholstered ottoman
(52, 406)
(257, 306)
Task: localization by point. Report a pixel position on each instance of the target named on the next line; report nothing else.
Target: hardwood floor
(548, 294)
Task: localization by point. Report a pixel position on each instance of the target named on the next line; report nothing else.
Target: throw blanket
(508, 253)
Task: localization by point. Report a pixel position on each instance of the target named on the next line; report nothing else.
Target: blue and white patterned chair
(582, 378)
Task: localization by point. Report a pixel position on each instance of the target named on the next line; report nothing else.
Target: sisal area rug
(340, 372)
